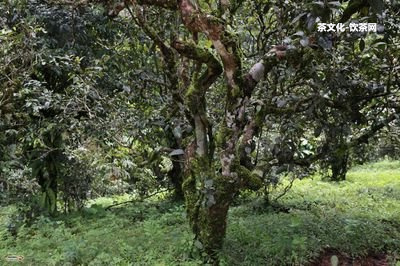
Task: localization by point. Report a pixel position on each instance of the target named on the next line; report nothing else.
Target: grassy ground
(358, 217)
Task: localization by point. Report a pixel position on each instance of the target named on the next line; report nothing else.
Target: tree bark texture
(211, 180)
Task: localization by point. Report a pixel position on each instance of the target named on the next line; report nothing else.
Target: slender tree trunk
(175, 175)
(339, 166)
(176, 178)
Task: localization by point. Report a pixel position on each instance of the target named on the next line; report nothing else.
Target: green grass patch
(136, 234)
(359, 216)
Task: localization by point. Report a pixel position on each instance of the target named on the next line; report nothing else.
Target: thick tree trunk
(208, 192)
(212, 224)
(49, 188)
(207, 196)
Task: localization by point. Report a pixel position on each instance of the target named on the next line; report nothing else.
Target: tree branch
(167, 4)
(195, 95)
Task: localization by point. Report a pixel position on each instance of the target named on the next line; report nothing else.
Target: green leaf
(298, 17)
(319, 3)
(377, 6)
(362, 45)
(383, 44)
(334, 3)
(177, 152)
(198, 244)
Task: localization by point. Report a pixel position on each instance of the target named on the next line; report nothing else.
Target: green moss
(191, 91)
(254, 182)
(222, 135)
(236, 92)
(192, 186)
(191, 199)
(204, 5)
(207, 205)
(250, 180)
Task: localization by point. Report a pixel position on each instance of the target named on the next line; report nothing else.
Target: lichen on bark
(207, 204)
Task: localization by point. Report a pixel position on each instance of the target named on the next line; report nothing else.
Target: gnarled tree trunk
(215, 168)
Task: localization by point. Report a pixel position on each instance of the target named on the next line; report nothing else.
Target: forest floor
(354, 222)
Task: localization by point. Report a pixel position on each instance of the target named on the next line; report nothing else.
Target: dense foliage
(204, 101)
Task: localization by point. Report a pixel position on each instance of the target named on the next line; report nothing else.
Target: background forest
(190, 132)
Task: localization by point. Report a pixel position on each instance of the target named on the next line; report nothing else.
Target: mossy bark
(212, 224)
(209, 192)
(208, 196)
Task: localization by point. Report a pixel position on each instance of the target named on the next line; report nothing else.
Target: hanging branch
(141, 199)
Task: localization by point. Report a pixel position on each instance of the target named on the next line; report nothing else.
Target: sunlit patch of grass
(358, 216)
